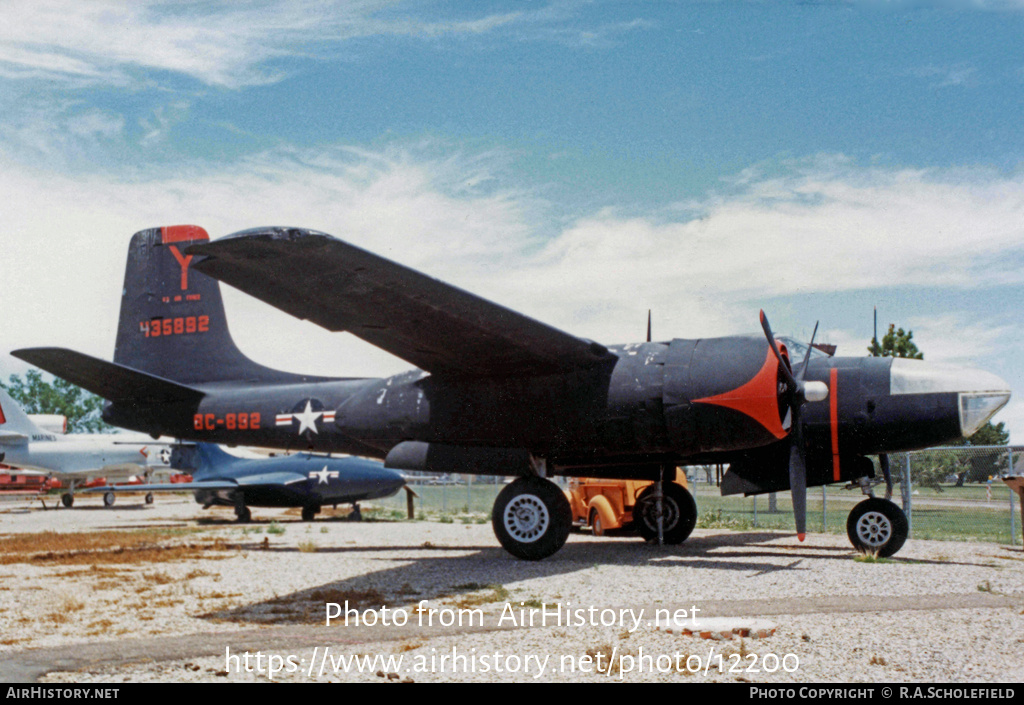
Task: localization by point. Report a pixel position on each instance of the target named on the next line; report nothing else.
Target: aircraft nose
(979, 394)
(381, 481)
(393, 480)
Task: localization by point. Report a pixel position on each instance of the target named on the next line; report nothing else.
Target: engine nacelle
(723, 394)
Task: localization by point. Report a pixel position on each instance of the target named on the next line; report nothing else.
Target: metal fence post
(824, 510)
(1013, 514)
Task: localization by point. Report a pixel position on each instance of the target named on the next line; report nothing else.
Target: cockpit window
(798, 351)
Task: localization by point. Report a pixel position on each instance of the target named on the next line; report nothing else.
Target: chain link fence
(953, 493)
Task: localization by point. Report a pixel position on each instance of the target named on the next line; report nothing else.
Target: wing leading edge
(435, 326)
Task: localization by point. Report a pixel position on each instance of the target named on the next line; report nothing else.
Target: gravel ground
(202, 592)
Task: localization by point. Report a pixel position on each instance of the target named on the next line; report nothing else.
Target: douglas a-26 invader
(499, 393)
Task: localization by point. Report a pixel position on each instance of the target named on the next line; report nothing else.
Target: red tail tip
(801, 537)
(182, 233)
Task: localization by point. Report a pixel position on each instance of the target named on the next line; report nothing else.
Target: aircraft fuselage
(648, 404)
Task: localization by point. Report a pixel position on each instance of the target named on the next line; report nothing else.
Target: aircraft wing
(267, 479)
(167, 487)
(271, 478)
(109, 380)
(435, 326)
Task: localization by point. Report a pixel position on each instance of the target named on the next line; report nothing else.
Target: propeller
(800, 392)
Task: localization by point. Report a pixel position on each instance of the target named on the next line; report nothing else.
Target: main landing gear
(532, 518)
(678, 513)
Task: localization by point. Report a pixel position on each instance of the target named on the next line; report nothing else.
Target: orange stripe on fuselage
(833, 420)
(758, 398)
(182, 233)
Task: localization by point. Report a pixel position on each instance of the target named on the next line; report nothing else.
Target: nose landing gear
(877, 526)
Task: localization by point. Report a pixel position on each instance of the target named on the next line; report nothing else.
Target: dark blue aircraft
(498, 393)
(300, 480)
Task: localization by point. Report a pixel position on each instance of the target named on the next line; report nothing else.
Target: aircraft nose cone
(979, 394)
(380, 481)
(392, 480)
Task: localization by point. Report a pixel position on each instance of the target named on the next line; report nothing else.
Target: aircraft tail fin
(172, 322)
(15, 425)
(201, 459)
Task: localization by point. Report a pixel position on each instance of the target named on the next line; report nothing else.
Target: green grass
(959, 517)
(448, 499)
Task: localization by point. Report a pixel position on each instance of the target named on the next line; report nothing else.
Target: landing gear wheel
(595, 522)
(149, 498)
(680, 514)
(877, 526)
(67, 499)
(243, 514)
(108, 499)
(309, 513)
(531, 518)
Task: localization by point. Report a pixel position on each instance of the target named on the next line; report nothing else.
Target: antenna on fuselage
(648, 325)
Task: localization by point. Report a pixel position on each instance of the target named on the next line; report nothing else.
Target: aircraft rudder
(13, 418)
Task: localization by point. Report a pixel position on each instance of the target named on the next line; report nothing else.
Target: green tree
(37, 396)
(895, 343)
(984, 464)
(933, 467)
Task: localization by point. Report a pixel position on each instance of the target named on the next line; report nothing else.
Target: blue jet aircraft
(301, 480)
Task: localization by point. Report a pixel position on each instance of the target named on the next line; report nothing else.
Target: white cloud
(816, 231)
(225, 45)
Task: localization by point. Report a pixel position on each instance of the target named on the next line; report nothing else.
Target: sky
(581, 162)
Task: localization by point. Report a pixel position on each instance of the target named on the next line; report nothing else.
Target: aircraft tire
(67, 499)
(149, 498)
(108, 499)
(243, 514)
(309, 513)
(531, 518)
(680, 514)
(877, 526)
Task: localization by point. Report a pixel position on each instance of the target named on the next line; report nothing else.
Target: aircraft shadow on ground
(477, 579)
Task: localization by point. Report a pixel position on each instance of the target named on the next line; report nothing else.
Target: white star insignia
(323, 475)
(307, 419)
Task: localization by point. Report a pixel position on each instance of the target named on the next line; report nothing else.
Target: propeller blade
(810, 347)
(798, 490)
(790, 380)
(798, 475)
(800, 392)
